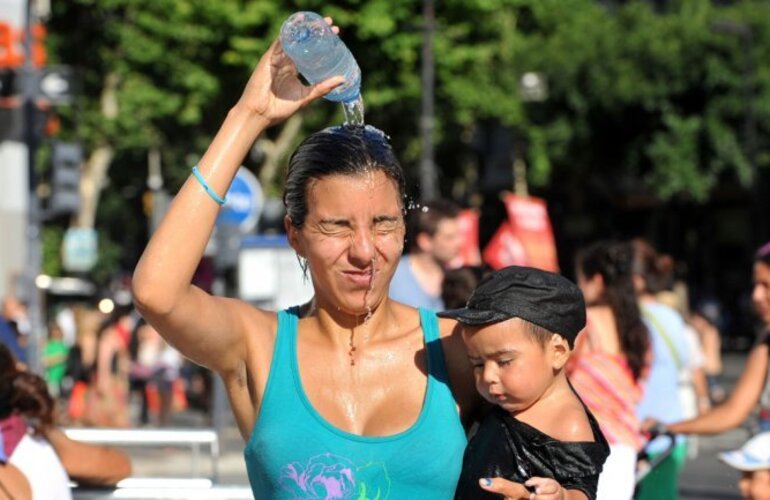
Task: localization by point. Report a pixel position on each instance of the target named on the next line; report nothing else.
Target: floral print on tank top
(332, 477)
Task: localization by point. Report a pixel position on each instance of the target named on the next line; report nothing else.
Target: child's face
(755, 485)
(512, 369)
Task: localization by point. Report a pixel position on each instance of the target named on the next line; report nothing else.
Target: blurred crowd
(107, 369)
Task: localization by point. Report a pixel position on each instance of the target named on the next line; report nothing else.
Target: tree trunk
(97, 165)
(275, 150)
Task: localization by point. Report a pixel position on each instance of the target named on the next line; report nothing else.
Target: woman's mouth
(362, 278)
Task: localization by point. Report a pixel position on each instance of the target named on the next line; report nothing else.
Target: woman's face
(760, 296)
(352, 238)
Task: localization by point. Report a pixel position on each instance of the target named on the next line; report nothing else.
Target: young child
(753, 460)
(519, 327)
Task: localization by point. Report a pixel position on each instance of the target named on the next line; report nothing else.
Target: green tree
(657, 100)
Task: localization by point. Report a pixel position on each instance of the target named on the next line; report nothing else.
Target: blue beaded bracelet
(214, 196)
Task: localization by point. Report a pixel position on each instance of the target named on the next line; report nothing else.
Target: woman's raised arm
(209, 330)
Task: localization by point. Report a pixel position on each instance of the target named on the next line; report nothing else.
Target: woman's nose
(362, 248)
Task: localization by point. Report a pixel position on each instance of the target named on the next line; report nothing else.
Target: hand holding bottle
(274, 91)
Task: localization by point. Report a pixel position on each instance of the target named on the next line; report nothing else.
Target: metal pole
(33, 230)
(428, 189)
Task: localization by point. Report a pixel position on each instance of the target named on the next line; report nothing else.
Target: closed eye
(334, 227)
(386, 224)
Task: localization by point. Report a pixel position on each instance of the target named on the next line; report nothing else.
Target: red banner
(526, 238)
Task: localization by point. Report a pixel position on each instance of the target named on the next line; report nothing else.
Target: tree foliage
(664, 101)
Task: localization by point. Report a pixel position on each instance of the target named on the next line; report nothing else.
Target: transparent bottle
(319, 54)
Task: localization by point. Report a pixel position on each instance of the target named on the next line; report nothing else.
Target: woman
(41, 452)
(609, 360)
(350, 393)
(25, 396)
(670, 356)
(748, 390)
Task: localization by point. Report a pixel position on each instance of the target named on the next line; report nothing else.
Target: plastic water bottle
(319, 54)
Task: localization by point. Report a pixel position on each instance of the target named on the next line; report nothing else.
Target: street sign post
(80, 249)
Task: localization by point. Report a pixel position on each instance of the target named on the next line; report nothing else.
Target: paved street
(704, 477)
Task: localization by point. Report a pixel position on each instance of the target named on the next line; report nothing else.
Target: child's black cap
(545, 299)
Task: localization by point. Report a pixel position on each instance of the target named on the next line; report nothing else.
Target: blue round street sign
(244, 202)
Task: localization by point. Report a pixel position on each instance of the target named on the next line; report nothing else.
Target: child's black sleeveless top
(505, 447)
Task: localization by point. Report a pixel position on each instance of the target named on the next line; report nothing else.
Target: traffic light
(67, 159)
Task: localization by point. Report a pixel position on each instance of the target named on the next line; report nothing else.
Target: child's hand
(508, 489)
(544, 488)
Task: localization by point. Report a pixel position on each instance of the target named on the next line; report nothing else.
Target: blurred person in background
(670, 355)
(459, 284)
(706, 320)
(35, 446)
(752, 387)
(142, 349)
(65, 318)
(78, 383)
(55, 353)
(433, 238)
(610, 359)
(12, 325)
(9, 339)
(15, 312)
(156, 368)
(109, 406)
(693, 387)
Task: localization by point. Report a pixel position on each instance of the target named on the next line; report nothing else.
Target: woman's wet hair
(613, 261)
(24, 393)
(343, 150)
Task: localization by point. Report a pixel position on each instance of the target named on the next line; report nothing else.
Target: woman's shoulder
(258, 324)
(14, 481)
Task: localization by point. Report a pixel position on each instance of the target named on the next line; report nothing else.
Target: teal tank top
(294, 453)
